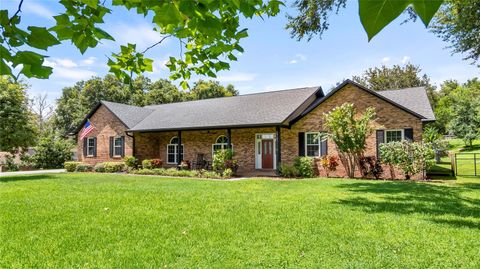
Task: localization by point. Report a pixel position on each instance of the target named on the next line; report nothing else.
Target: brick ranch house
(263, 129)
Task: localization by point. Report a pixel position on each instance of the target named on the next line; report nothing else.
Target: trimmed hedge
(84, 167)
(114, 167)
(177, 173)
(71, 166)
(99, 168)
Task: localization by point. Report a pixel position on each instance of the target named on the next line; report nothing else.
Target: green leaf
(242, 34)
(100, 34)
(184, 85)
(426, 9)
(40, 38)
(27, 58)
(168, 13)
(4, 68)
(90, 3)
(376, 14)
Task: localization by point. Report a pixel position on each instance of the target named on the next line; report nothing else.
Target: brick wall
(105, 125)
(388, 117)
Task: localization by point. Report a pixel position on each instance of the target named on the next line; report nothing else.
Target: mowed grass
(121, 221)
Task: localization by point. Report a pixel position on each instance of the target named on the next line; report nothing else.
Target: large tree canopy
(17, 130)
(396, 77)
(208, 32)
(76, 101)
(458, 22)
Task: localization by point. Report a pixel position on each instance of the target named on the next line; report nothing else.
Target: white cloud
(298, 58)
(35, 8)
(385, 60)
(56, 62)
(74, 74)
(89, 61)
(142, 35)
(405, 59)
(237, 77)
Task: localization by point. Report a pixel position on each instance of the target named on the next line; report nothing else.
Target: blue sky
(271, 61)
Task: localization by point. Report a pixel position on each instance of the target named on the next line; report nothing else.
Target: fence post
(475, 163)
(456, 170)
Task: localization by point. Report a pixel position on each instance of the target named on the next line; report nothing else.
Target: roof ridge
(401, 89)
(241, 95)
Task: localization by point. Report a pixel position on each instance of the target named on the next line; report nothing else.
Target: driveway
(51, 171)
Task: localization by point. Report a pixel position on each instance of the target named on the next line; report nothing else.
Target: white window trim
(319, 144)
(394, 130)
(176, 150)
(114, 146)
(223, 145)
(88, 146)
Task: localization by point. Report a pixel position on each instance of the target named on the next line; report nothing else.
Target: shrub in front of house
(410, 157)
(329, 164)
(114, 167)
(84, 167)
(223, 160)
(152, 163)
(71, 166)
(172, 172)
(370, 167)
(288, 171)
(99, 168)
(131, 162)
(304, 166)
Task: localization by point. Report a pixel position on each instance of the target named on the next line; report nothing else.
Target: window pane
(312, 138)
(222, 139)
(393, 136)
(171, 149)
(174, 140)
(171, 158)
(313, 150)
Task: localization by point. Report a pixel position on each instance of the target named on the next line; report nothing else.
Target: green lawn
(120, 221)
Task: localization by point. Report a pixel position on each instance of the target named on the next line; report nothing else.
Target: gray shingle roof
(129, 115)
(244, 110)
(415, 99)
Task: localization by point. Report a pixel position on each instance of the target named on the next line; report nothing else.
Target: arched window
(172, 151)
(220, 143)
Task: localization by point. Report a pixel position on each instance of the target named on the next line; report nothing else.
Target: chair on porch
(200, 163)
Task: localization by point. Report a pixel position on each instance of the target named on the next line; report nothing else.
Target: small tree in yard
(410, 157)
(349, 132)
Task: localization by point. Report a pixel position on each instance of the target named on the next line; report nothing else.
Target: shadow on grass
(437, 202)
(24, 177)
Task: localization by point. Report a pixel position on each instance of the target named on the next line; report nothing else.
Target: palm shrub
(434, 138)
(349, 132)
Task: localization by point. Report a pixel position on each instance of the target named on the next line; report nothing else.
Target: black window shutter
(111, 146)
(123, 146)
(380, 140)
(94, 147)
(84, 147)
(301, 144)
(408, 132)
(324, 147)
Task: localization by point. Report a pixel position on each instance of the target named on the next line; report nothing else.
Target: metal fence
(467, 164)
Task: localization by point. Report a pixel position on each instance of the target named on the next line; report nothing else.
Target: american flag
(86, 129)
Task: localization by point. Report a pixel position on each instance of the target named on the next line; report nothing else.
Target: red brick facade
(154, 144)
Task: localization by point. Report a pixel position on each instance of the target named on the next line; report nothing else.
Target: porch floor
(258, 173)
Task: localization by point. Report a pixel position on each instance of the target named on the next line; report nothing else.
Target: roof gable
(319, 101)
(416, 99)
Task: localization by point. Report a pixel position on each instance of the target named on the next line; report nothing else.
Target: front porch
(257, 150)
